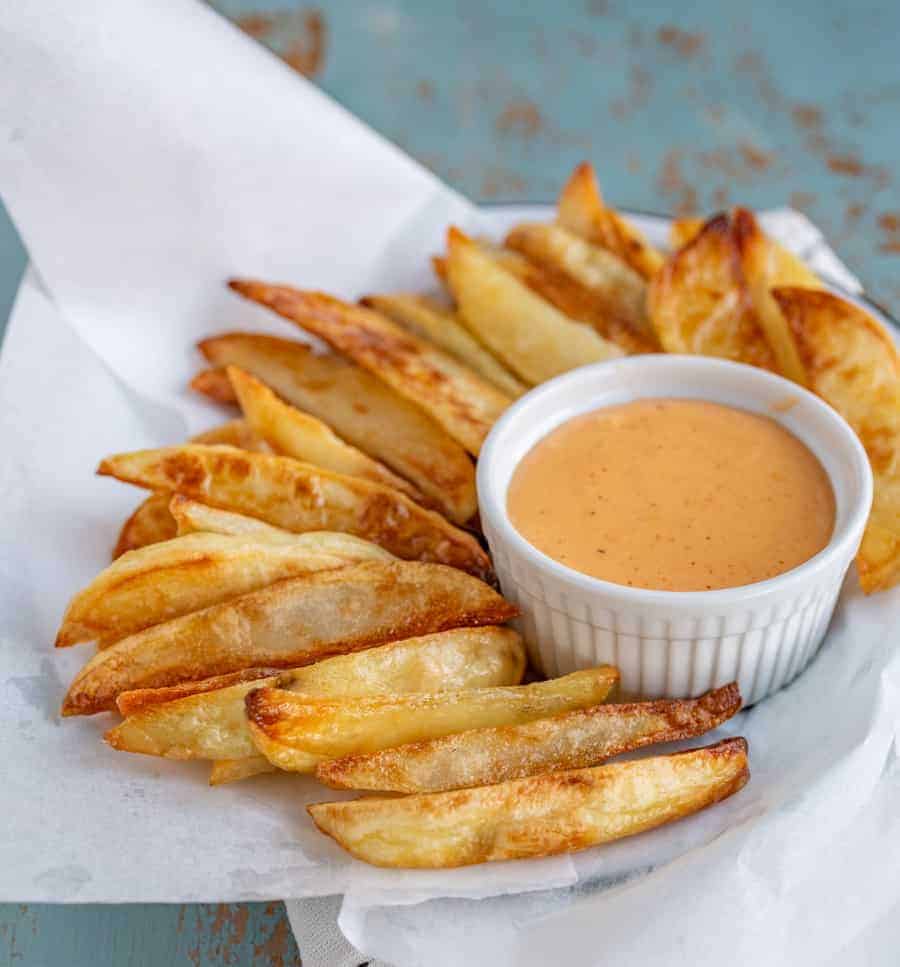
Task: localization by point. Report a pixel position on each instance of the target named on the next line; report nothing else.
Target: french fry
(615, 293)
(559, 812)
(235, 433)
(140, 699)
(215, 385)
(185, 574)
(294, 622)
(463, 403)
(212, 724)
(700, 302)
(362, 409)
(572, 740)
(764, 269)
(299, 497)
(149, 524)
(581, 210)
(293, 433)
(684, 230)
(428, 319)
(296, 732)
(530, 335)
(852, 363)
(192, 517)
(233, 770)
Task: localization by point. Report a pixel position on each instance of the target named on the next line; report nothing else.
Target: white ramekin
(670, 643)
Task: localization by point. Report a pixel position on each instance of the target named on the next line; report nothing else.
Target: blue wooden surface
(681, 106)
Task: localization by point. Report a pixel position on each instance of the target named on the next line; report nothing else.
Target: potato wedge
(463, 403)
(294, 622)
(233, 770)
(192, 517)
(581, 210)
(185, 574)
(215, 385)
(299, 497)
(558, 812)
(362, 409)
(530, 335)
(700, 301)
(149, 524)
(572, 740)
(428, 319)
(140, 699)
(296, 732)
(213, 725)
(613, 293)
(235, 433)
(852, 363)
(764, 270)
(293, 433)
(684, 230)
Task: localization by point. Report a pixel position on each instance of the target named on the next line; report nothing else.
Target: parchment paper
(147, 152)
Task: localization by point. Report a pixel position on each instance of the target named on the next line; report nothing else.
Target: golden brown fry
(594, 282)
(684, 230)
(192, 517)
(215, 385)
(293, 433)
(172, 578)
(296, 732)
(852, 363)
(581, 210)
(700, 302)
(141, 699)
(362, 410)
(558, 812)
(463, 403)
(763, 270)
(212, 724)
(428, 319)
(235, 433)
(149, 524)
(294, 622)
(529, 334)
(233, 770)
(299, 497)
(572, 740)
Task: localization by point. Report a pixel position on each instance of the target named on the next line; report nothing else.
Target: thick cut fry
(299, 497)
(149, 524)
(192, 517)
(294, 622)
(212, 724)
(763, 271)
(852, 363)
(172, 578)
(581, 210)
(614, 293)
(296, 732)
(700, 302)
(428, 319)
(233, 770)
(215, 385)
(463, 403)
(362, 409)
(235, 433)
(559, 812)
(573, 740)
(293, 433)
(140, 699)
(529, 334)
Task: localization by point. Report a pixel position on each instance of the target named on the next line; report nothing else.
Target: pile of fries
(305, 588)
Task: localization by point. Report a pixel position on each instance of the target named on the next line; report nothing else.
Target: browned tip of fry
(214, 385)
(439, 264)
(104, 468)
(456, 236)
(725, 701)
(262, 707)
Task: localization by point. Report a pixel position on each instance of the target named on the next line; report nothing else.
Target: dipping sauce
(674, 495)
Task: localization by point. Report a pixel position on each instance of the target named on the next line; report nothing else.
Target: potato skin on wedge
(294, 622)
(300, 497)
(295, 732)
(463, 403)
(558, 812)
(150, 523)
(572, 740)
(212, 725)
(852, 363)
(361, 409)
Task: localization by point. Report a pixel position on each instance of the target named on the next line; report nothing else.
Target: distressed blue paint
(501, 99)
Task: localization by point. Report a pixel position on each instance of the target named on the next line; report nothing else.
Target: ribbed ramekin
(674, 644)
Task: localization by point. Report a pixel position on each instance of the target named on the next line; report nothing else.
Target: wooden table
(681, 108)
